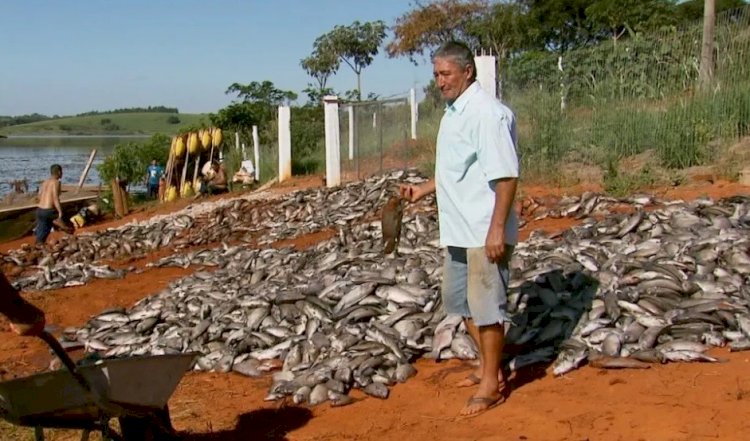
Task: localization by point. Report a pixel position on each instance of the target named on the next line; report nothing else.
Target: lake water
(30, 158)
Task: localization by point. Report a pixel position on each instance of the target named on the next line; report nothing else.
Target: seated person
(217, 183)
(246, 174)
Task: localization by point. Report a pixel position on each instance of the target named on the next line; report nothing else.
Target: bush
(129, 161)
(173, 119)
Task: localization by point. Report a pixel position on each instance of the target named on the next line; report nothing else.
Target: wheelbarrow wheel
(158, 427)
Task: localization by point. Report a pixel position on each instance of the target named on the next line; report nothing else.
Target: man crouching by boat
(49, 207)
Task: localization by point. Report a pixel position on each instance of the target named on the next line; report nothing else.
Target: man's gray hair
(459, 53)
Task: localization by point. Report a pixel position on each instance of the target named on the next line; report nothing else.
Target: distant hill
(145, 123)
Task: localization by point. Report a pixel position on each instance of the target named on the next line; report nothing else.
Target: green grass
(145, 123)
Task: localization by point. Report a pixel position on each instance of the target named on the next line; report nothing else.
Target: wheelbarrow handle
(65, 358)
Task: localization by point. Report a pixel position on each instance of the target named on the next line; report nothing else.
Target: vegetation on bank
(142, 123)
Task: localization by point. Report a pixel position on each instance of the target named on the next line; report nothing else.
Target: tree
(315, 95)
(129, 161)
(561, 25)
(320, 65)
(615, 17)
(257, 107)
(503, 29)
(428, 26)
(356, 45)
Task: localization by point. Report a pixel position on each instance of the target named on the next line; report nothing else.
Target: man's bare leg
(476, 376)
(491, 339)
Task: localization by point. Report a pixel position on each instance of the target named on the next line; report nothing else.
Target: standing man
(49, 207)
(476, 171)
(153, 174)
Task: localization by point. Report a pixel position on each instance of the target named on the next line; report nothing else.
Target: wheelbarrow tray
(127, 386)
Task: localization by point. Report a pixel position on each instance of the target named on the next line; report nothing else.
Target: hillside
(145, 123)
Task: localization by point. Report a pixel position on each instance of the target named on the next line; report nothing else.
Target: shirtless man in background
(49, 207)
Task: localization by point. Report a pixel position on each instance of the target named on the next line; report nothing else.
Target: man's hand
(494, 245)
(413, 193)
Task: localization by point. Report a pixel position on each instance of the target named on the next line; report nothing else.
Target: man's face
(450, 78)
(153, 162)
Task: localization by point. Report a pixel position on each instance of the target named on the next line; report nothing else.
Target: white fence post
(285, 144)
(414, 115)
(333, 146)
(256, 149)
(487, 73)
(243, 152)
(350, 109)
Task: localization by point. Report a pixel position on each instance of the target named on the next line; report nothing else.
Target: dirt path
(669, 402)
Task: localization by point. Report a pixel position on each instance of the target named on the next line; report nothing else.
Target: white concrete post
(333, 146)
(237, 140)
(350, 109)
(285, 144)
(487, 73)
(243, 152)
(256, 149)
(374, 120)
(414, 116)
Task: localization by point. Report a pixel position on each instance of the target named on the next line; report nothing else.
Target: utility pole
(707, 49)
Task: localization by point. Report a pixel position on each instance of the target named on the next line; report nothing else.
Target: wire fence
(642, 93)
(374, 137)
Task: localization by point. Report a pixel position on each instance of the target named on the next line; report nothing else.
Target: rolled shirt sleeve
(496, 152)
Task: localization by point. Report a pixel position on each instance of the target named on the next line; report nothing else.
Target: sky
(63, 57)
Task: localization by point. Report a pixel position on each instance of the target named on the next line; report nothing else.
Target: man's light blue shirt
(476, 146)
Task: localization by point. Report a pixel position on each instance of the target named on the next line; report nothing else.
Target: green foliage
(129, 124)
(692, 10)
(504, 29)
(173, 119)
(320, 65)
(129, 161)
(356, 45)
(149, 109)
(307, 128)
(623, 184)
(6, 121)
(258, 106)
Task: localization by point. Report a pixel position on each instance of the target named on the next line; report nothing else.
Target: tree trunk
(359, 86)
(707, 49)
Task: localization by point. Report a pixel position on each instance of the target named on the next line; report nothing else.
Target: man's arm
(56, 198)
(25, 318)
(505, 191)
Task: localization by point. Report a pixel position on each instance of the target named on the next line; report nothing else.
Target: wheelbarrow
(135, 390)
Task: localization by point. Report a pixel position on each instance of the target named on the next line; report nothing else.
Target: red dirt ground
(669, 402)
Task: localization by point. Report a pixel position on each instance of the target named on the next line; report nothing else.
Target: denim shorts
(474, 287)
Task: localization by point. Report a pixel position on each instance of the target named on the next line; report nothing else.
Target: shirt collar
(460, 103)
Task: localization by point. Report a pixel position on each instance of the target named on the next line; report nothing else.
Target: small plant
(619, 184)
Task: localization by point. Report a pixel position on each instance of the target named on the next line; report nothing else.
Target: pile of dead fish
(71, 261)
(339, 315)
(65, 275)
(244, 219)
(303, 212)
(632, 289)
